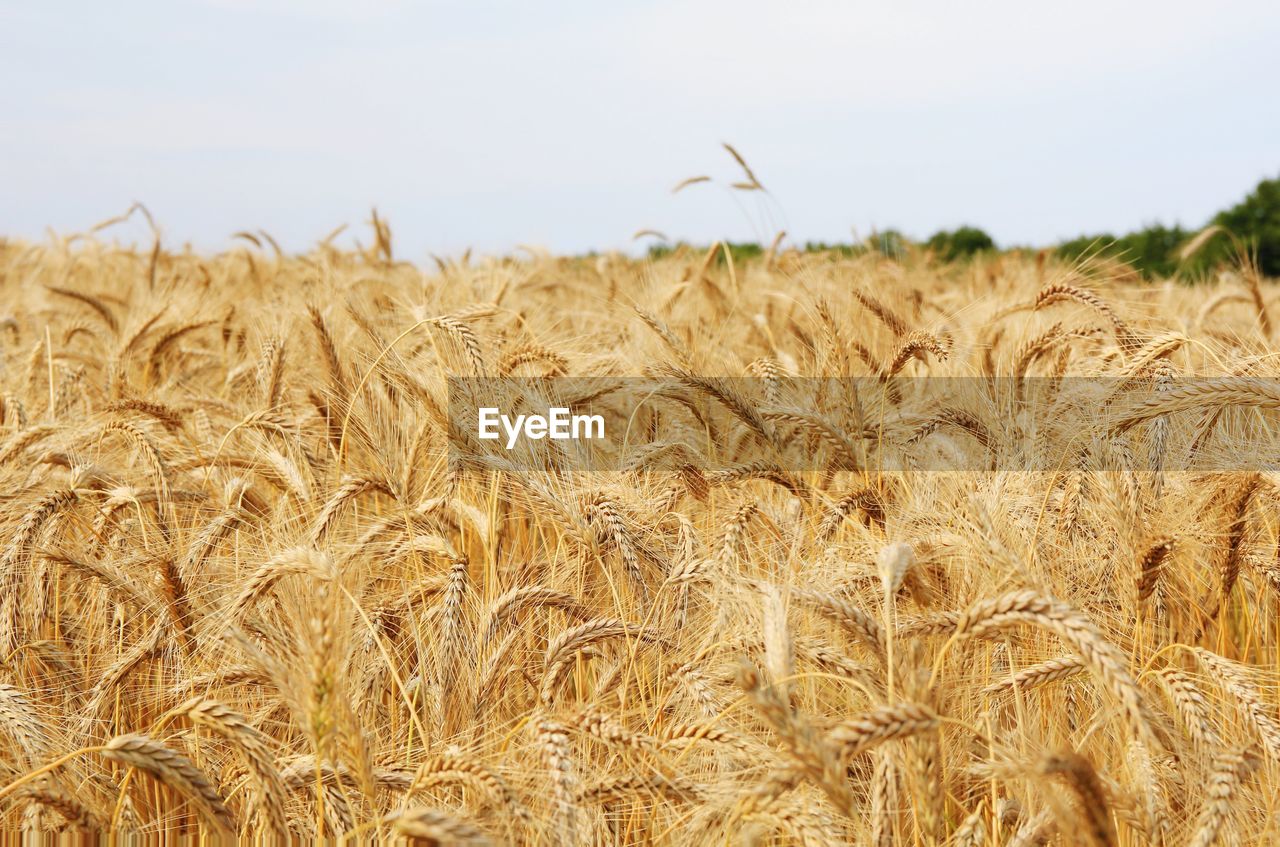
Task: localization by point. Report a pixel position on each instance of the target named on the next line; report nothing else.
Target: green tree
(960, 243)
(1086, 245)
(1255, 222)
(845, 250)
(889, 243)
(1152, 250)
(741, 251)
(1252, 226)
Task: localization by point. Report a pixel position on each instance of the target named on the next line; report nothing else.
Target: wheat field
(250, 593)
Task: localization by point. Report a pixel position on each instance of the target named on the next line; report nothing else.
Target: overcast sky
(494, 124)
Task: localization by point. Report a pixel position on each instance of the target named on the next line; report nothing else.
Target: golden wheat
(261, 581)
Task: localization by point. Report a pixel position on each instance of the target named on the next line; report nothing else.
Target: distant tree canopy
(842, 249)
(959, 243)
(1251, 227)
(741, 251)
(1152, 251)
(890, 243)
(1255, 221)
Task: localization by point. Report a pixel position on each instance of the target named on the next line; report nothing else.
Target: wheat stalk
(174, 770)
(1102, 657)
(255, 746)
(1091, 799)
(1233, 677)
(433, 826)
(1230, 768)
(553, 741)
(1041, 673)
(299, 560)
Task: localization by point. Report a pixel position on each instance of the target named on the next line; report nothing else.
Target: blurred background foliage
(1248, 232)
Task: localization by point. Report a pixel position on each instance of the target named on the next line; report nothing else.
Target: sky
(491, 124)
